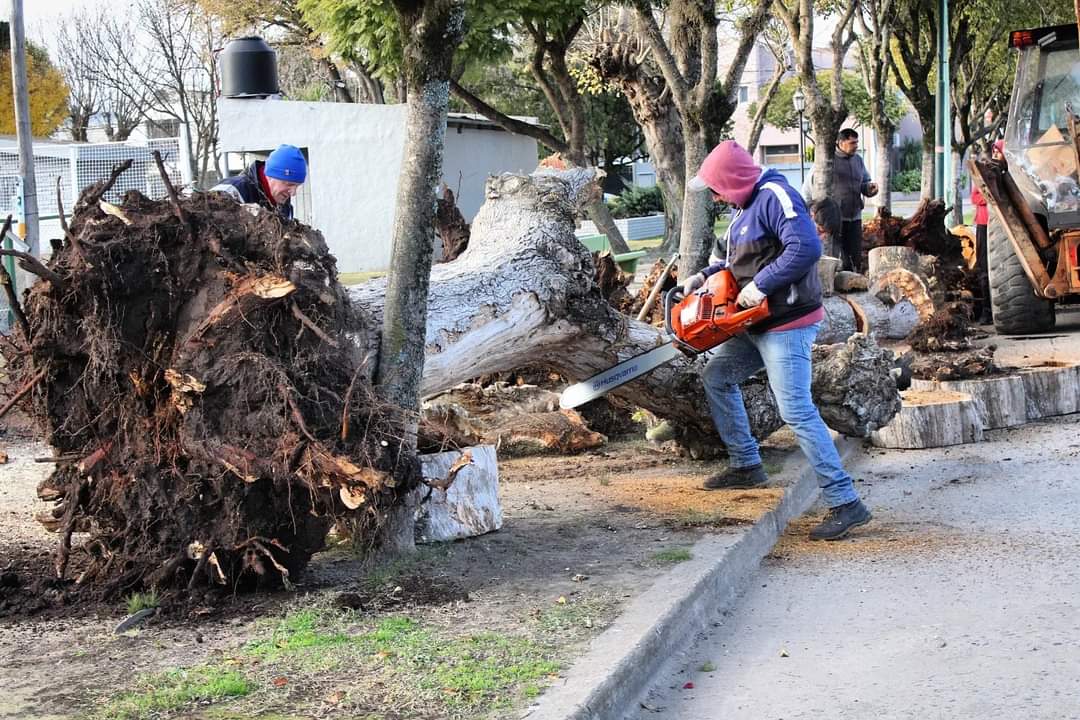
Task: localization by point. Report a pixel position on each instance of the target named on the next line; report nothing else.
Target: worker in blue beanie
(271, 184)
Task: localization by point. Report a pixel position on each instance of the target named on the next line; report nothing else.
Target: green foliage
(910, 154)
(176, 689)
(142, 601)
(638, 202)
(907, 181)
(781, 112)
(367, 30)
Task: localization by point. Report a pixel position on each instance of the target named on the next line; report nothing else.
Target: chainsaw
(696, 323)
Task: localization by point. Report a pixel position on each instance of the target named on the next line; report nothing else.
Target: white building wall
(471, 154)
(354, 159)
(354, 156)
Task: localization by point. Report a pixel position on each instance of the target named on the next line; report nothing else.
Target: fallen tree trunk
(524, 293)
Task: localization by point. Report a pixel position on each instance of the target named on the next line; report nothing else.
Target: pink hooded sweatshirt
(730, 172)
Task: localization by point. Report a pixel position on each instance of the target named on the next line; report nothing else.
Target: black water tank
(248, 68)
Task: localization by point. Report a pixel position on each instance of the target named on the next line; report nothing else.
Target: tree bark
(430, 31)
(885, 134)
(524, 293)
(620, 60)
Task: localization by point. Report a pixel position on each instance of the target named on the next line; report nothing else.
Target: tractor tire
(1017, 309)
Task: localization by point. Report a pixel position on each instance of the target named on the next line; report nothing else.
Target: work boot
(840, 520)
(738, 478)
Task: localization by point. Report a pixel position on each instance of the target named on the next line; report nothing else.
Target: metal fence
(79, 165)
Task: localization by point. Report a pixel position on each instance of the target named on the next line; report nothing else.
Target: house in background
(354, 154)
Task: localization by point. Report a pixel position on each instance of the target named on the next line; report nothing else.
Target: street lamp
(799, 101)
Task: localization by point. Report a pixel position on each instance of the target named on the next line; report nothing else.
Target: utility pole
(943, 133)
(22, 128)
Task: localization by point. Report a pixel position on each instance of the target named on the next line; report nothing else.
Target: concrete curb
(621, 661)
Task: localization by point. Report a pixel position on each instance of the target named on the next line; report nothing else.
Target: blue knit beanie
(286, 163)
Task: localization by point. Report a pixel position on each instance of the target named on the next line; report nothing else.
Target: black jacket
(246, 188)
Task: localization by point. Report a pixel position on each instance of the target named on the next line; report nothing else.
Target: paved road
(961, 600)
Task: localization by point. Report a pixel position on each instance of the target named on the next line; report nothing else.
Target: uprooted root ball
(211, 416)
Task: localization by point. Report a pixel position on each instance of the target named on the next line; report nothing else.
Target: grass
(356, 278)
(142, 601)
(302, 631)
(672, 556)
(175, 689)
(455, 674)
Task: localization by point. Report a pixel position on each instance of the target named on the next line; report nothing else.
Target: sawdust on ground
(870, 541)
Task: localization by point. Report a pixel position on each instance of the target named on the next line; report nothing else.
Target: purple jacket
(774, 242)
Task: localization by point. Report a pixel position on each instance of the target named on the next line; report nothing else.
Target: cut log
(847, 281)
(871, 315)
(903, 319)
(1000, 400)
(562, 432)
(930, 419)
(901, 284)
(1051, 389)
(883, 259)
(859, 403)
(524, 293)
(827, 268)
(839, 323)
(468, 507)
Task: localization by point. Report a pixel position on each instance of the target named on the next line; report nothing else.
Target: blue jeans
(785, 355)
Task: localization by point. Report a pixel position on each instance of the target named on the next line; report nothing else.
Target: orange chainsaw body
(709, 315)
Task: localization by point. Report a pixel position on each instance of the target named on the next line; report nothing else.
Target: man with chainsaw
(772, 248)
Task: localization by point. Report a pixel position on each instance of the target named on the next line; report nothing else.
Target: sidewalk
(659, 624)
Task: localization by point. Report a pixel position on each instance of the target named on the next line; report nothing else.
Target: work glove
(693, 282)
(750, 296)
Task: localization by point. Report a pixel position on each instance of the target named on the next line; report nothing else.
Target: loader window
(1060, 85)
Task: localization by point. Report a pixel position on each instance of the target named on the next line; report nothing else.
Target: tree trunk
(340, 87)
(926, 191)
(430, 34)
(600, 214)
(885, 134)
(696, 236)
(958, 190)
(618, 61)
(524, 293)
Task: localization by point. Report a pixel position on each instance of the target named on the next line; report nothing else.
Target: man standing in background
(851, 182)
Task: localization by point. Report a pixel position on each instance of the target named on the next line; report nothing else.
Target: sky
(39, 15)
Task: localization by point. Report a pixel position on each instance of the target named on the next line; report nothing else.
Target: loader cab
(1038, 145)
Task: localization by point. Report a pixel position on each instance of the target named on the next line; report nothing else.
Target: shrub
(637, 202)
(907, 181)
(910, 155)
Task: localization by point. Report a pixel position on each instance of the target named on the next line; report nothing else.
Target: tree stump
(881, 260)
(930, 419)
(1050, 389)
(839, 322)
(1000, 400)
(827, 268)
(459, 497)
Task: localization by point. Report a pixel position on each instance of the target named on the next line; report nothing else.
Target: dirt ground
(581, 536)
